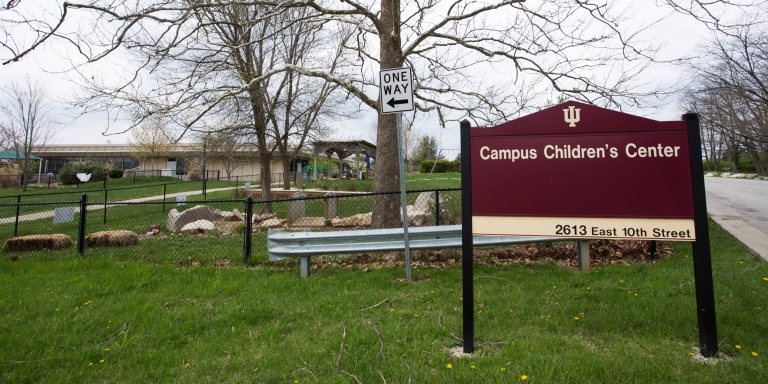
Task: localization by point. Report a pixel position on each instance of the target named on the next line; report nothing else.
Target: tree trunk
(386, 208)
(260, 126)
(286, 170)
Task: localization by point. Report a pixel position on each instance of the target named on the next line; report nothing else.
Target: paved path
(741, 208)
(47, 214)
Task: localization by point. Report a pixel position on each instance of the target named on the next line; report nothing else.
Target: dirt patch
(601, 252)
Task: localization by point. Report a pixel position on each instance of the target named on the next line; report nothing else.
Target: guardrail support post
(18, 209)
(81, 232)
(437, 207)
(582, 252)
(305, 264)
(248, 228)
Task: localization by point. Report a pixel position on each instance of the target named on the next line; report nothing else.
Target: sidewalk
(47, 214)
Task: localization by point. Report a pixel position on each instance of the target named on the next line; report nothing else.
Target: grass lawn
(115, 317)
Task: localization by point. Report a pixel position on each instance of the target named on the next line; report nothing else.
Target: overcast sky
(680, 35)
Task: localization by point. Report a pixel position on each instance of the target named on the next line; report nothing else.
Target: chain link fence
(184, 232)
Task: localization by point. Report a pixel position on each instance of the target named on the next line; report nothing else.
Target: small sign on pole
(181, 199)
(396, 96)
(396, 90)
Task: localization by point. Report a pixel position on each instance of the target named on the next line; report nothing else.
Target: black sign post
(467, 245)
(702, 259)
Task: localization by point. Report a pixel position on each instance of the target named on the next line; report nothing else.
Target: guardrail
(282, 245)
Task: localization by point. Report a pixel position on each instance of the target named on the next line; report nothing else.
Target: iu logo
(572, 116)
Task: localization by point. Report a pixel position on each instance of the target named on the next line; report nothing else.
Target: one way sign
(396, 90)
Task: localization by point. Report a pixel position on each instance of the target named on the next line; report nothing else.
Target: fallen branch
(381, 348)
(490, 277)
(341, 351)
(374, 306)
(438, 320)
(382, 377)
(307, 366)
(14, 362)
(121, 330)
(734, 274)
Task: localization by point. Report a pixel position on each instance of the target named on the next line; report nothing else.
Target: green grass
(61, 314)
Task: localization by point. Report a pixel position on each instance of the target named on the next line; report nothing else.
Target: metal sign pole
(399, 119)
(467, 242)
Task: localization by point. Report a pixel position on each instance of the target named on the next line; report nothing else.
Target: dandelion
(186, 365)
(106, 349)
(741, 262)
(415, 315)
(449, 366)
(588, 288)
(90, 364)
(621, 281)
(576, 318)
(635, 294)
(461, 298)
(765, 278)
(630, 292)
(754, 353)
(101, 361)
(57, 309)
(738, 346)
(503, 369)
(472, 366)
(690, 353)
(523, 377)
(479, 312)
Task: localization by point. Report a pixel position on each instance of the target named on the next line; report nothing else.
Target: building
(185, 157)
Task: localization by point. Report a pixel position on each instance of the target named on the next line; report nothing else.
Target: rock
(415, 216)
(725, 174)
(752, 176)
(156, 231)
(272, 223)
(259, 218)
(239, 215)
(150, 233)
(737, 176)
(176, 221)
(710, 174)
(359, 220)
(226, 226)
(173, 215)
(424, 201)
(198, 226)
(153, 227)
(229, 216)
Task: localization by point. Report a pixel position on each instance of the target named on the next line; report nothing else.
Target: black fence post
(652, 250)
(134, 177)
(165, 186)
(437, 207)
(105, 206)
(105, 180)
(248, 228)
(81, 232)
(49, 180)
(18, 208)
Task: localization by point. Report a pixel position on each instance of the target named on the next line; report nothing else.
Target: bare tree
(730, 80)
(459, 50)
(26, 122)
(151, 140)
(227, 146)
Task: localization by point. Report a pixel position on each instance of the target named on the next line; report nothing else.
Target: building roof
(345, 149)
(13, 155)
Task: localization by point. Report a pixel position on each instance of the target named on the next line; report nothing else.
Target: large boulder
(177, 220)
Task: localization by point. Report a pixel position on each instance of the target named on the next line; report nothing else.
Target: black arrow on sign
(392, 102)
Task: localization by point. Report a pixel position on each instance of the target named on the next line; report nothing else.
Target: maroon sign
(580, 161)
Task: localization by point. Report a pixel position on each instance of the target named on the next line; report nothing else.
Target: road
(740, 207)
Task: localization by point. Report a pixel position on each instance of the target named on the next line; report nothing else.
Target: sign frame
(702, 264)
(393, 105)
